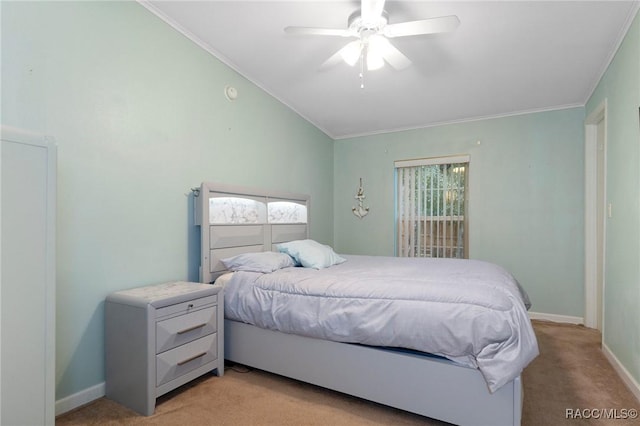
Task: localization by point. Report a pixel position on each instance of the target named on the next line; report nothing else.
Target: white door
(27, 291)
(596, 213)
(600, 218)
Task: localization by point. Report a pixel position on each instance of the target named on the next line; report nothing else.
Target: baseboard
(79, 399)
(624, 374)
(556, 318)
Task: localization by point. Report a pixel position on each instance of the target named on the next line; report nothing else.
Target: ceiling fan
(371, 29)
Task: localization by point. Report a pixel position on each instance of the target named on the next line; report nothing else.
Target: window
(431, 207)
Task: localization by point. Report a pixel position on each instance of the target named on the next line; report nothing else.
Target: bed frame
(422, 384)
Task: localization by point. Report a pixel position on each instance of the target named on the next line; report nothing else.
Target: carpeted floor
(570, 373)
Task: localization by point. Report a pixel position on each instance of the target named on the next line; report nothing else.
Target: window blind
(431, 207)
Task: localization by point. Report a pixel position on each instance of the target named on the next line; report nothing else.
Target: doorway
(596, 212)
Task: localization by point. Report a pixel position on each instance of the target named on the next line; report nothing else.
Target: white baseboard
(80, 398)
(556, 318)
(624, 374)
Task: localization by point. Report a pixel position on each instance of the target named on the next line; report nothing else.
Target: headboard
(235, 220)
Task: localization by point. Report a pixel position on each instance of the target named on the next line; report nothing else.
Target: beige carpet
(570, 373)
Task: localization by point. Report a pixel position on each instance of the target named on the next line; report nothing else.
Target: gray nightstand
(160, 337)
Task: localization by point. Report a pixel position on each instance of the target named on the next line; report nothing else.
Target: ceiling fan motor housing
(360, 27)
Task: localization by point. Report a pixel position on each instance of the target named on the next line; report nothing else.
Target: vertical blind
(431, 207)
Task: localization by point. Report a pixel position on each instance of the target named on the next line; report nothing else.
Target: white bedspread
(471, 312)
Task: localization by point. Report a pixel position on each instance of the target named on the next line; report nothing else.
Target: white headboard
(235, 220)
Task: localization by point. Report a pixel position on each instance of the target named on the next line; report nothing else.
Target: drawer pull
(200, 355)
(195, 327)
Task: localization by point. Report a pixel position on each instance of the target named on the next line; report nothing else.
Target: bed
(236, 221)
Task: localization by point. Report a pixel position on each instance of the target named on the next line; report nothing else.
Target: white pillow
(266, 261)
(310, 253)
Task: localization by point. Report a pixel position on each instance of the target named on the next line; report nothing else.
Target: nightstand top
(165, 294)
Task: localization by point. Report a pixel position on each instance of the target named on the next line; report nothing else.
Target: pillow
(310, 253)
(266, 261)
(223, 279)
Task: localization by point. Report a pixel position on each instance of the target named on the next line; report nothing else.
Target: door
(595, 215)
(27, 292)
(600, 219)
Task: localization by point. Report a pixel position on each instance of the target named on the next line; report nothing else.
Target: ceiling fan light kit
(351, 52)
(370, 26)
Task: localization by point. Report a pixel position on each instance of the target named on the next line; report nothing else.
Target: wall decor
(360, 211)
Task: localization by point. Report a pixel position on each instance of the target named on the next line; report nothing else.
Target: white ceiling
(506, 57)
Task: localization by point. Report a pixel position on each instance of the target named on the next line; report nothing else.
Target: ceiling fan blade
(396, 58)
(389, 52)
(350, 54)
(371, 10)
(425, 26)
(318, 31)
(333, 60)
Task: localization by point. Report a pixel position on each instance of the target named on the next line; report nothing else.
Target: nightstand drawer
(186, 307)
(179, 330)
(176, 362)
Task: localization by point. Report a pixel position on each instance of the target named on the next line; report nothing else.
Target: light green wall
(139, 116)
(526, 190)
(620, 86)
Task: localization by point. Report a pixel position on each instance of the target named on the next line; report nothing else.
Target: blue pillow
(310, 253)
(266, 261)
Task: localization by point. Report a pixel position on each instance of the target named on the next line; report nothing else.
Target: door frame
(590, 215)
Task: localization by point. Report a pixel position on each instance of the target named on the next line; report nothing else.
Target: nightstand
(160, 337)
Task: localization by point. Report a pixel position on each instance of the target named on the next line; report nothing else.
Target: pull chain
(362, 69)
